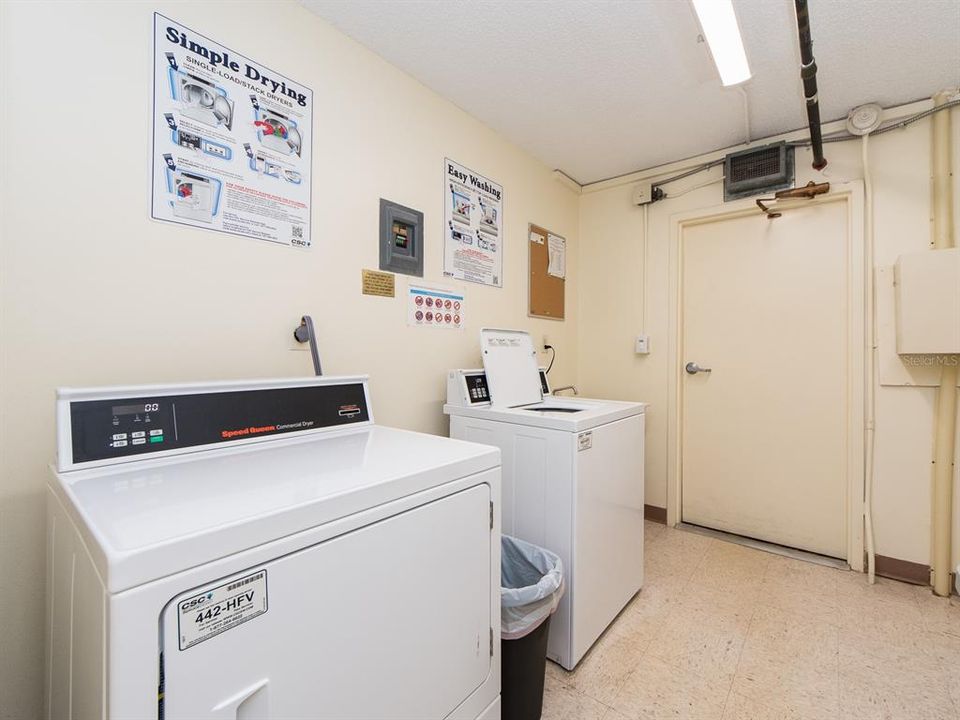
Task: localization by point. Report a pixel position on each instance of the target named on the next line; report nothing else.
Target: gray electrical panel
(401, 239)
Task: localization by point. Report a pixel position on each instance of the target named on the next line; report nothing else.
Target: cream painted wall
(94, 292)
(611, 278)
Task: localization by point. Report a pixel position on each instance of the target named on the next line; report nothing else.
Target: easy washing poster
(231, 140)
(473, 226)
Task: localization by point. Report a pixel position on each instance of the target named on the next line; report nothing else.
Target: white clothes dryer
(262, 549)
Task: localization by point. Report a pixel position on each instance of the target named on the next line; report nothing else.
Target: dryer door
(389, 621)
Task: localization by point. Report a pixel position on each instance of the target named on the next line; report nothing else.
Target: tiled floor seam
(736, 670)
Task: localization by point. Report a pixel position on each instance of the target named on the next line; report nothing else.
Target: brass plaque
(379, 283)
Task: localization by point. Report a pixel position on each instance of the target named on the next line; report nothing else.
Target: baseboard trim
(903, 570)
(655, 514)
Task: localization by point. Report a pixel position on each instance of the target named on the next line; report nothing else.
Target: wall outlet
(642, 345)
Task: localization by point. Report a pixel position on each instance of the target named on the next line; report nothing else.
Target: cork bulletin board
(547, 279)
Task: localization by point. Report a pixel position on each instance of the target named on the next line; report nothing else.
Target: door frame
(850, 193)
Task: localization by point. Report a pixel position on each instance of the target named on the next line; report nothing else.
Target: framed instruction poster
(232, 140)
(473, 226)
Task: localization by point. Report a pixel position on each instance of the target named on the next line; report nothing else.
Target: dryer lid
(510, 363)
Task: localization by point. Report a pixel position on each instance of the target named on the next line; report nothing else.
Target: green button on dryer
(156, 439)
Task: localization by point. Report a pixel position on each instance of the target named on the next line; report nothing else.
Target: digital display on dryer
(136, 408)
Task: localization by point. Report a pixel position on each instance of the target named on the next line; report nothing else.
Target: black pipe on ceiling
(808, 73)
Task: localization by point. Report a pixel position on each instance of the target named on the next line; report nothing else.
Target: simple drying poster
(231, 140)
(473, 219)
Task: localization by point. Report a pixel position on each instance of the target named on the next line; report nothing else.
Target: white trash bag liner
(531, 585)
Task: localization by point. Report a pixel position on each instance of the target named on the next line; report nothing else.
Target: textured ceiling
(602, 88)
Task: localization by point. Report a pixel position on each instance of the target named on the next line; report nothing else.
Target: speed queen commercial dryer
(572, 481)
(264, 550)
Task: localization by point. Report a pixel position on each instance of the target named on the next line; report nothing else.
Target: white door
(391, 621)
(764, 432)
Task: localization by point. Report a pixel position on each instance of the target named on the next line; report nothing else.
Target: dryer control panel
(105, 429)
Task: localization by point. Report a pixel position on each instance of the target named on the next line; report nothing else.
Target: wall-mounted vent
(757, 171)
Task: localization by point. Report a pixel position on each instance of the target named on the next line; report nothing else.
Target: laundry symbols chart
(473, 226)
(435, 307)
(232, 141)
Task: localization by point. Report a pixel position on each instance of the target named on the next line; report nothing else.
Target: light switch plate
(642, 346)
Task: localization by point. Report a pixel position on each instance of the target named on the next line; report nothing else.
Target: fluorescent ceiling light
(719, 24)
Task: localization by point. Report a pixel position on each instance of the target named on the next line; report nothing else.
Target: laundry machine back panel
(390, 620)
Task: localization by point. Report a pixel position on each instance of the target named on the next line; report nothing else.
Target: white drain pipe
(871, 364)
(946, 417)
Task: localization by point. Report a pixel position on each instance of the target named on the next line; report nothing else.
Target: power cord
(552, 357)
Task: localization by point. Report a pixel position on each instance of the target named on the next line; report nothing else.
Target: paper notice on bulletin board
(557, 256)
(473, 221)
(435, 307)
(231, 140)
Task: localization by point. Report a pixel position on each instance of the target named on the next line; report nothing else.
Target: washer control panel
(469, 387)
(106, 429)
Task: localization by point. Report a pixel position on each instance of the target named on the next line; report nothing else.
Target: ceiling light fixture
(720, 27)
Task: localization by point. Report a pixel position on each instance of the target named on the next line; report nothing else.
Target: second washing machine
(572, 481)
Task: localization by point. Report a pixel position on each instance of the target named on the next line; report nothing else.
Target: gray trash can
(531, 585)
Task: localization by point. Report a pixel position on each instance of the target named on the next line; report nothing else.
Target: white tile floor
(724, 632)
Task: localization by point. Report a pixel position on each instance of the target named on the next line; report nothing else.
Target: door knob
(693, 368)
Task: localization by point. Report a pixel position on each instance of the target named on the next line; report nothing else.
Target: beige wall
(611, 273)
(94, 292)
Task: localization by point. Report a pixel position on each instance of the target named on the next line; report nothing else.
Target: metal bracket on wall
(304, 333)
(807, 192)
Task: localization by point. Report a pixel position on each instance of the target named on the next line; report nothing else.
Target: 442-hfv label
(215, 610)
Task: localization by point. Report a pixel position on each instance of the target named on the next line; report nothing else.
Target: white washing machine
(572, 481)
(264, 550)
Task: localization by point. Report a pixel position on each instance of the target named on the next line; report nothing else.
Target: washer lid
(510, 363)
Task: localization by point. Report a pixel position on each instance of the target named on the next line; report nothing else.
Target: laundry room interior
(575, 359)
